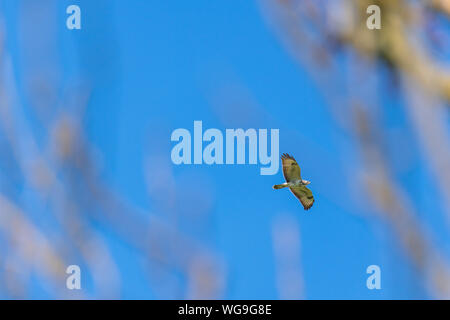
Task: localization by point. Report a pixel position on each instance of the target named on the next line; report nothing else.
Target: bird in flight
(294, 181)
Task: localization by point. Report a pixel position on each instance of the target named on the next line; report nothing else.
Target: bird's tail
(280, 186)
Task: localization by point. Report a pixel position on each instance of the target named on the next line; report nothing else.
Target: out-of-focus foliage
(407, 60)
(55, 204)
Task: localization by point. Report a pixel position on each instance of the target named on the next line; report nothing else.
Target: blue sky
(155, 66)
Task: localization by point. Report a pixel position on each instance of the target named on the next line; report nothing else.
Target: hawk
(291, 173)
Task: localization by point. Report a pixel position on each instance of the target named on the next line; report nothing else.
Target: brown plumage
(291, 173)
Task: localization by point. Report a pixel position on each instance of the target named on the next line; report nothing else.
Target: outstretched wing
(304, 195)
(291, 170)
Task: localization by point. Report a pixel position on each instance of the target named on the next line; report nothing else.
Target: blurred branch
(286, 246)
(398, 210)
(440, 5)
(57, 167)
(31, 244)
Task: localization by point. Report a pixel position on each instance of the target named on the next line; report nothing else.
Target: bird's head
(306, 182)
